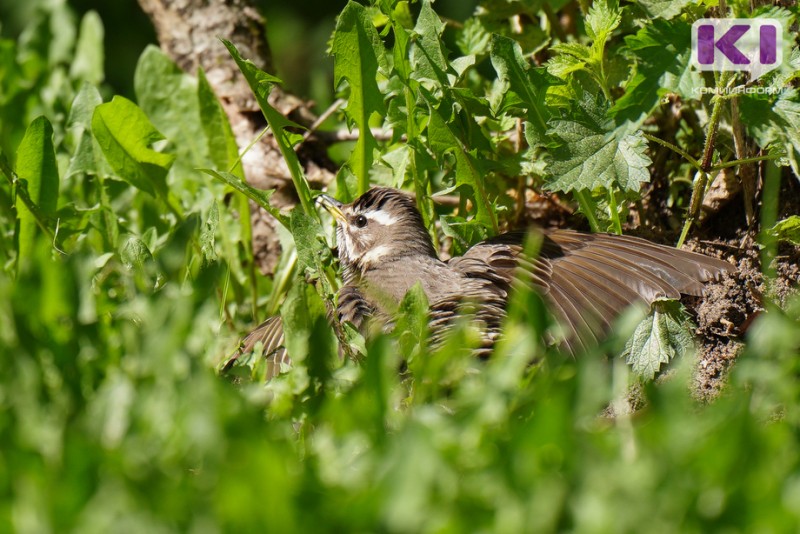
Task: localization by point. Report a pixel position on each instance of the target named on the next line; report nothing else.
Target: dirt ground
(730, 305)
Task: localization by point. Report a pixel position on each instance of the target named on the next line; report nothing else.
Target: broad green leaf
(787, 230)
(662, 336)
(89, 57)
(36, 164)
(259, 196)
(261, 84)
(663, 53)
(522, 86)
(663, 9)
(592, 154)
(168, 96)
(562, 65)
(358, 56)
(221, 143)
(772, 120)
(428, 58)
(443, 140)
(125, 137)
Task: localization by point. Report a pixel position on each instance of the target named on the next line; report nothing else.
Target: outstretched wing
(351, 308)
(269, 335)
(589, 279)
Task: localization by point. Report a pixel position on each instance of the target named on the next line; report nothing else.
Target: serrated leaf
(772, 120)
(787, 230)
(207, 235)
(474, 39)
(259, 196)
(358, 55)
(125, 136)
(663, 65)
(428, 58)
(592, 154)
(662, 336)
(442, 140)
(603, 18)
(36, 164)
(523, 87)
(412, 319)
(261, 84)
(663, 9)
(306, 231)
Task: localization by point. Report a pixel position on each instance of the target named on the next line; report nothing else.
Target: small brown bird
(587, 280)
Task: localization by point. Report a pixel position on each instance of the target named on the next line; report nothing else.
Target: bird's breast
(384, 287)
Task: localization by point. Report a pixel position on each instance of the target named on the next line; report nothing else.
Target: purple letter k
(726, 44)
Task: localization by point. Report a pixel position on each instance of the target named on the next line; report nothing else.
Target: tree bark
(189, 32)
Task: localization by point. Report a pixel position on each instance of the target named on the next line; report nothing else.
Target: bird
(585, 279)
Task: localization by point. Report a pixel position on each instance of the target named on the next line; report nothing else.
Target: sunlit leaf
(126, 136)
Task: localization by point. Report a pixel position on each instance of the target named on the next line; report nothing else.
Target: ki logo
(752, 45)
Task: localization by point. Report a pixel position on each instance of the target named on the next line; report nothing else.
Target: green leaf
(358, 56)
(787, 230)
(84, 159)
(474, 39)
(36, 164)
(168, 96)
(208, 234)
(221, 146)
(663, 9)
(522, 86)
(307, 232)
(603, 18)
(592, 154)
(772, 120)
(428, 58)
(663, 54)
(442, 140)
(412, 320)
(300, 312)
(125, 136)
(261, 84)
(663, 335)
(89, 57)
(259, 196)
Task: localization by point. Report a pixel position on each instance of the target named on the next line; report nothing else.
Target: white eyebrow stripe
(382, 217)
(372, 256)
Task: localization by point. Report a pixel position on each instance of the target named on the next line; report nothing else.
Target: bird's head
(379, 227)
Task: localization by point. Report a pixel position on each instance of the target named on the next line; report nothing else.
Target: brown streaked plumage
(587, 280)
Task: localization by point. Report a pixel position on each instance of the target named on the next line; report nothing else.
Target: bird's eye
(361, 221)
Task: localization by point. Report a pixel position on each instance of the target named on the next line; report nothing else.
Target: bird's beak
(332, 206)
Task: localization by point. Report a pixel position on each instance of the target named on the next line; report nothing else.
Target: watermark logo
(752, 45)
